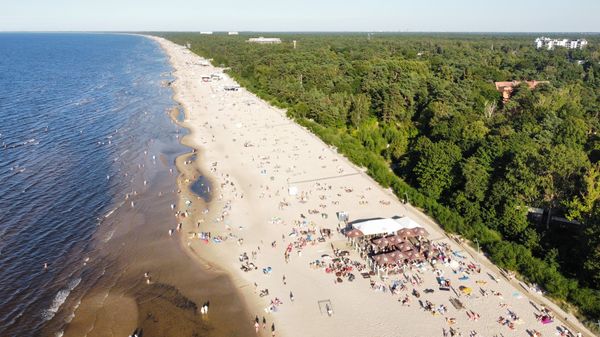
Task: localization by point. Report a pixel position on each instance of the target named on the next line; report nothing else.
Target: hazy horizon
(241, 32)
(428, 16)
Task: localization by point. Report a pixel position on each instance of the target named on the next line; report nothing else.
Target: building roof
(531, 84)
(265, 39)
(384, 226)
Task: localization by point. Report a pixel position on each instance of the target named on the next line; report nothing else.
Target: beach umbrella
(394, 239)
(412, 254)
(405, 232)
(420, 231)
(354, 233)
(397, 256)
(381, 242)
(400, 256)
(404, 246)
(376, 241)
(417, 255)
(381, 259)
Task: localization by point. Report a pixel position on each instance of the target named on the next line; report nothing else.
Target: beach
(275, 193)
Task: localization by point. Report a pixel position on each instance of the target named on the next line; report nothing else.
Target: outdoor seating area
(390, 252)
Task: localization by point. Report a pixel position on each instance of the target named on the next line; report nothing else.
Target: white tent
(293, 190)
(384, 226)
(407, 222)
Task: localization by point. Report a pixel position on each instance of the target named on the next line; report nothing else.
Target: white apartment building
(264, 40)
(548, 43)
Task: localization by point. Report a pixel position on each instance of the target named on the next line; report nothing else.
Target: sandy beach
(275, 187)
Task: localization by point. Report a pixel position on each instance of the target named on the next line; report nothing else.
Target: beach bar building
(384, 226)
(388, 244)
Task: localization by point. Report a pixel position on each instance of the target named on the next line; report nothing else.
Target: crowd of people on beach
(405, 280)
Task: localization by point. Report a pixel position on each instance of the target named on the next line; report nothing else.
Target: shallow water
(87, 177)
(201, 187)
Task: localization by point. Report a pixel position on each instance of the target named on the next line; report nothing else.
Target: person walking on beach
(273, 329)
(291, 297)
(284, 283)
(264, 323)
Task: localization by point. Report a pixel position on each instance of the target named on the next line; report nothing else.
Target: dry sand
(252, 153)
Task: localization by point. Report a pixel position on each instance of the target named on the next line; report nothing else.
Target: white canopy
(293, 190)
(385, 226)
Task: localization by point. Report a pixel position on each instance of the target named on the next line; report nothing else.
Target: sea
(88, 144)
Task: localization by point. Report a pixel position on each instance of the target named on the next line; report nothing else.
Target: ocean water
(83, 133)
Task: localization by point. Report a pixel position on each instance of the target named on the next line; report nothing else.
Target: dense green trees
(435, 163)
(421, 113)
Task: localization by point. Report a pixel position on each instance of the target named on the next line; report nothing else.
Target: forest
(422, 114)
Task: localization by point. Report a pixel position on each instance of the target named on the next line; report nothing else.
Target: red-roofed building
(506, 88)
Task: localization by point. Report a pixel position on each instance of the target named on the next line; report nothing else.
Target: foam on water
(59, 299)
(69, 318)
(108, 236)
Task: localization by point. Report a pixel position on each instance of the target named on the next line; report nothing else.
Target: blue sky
(305, 15)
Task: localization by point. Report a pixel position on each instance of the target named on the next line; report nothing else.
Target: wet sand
(135, 240)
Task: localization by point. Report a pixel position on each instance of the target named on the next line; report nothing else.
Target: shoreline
(292, 153)
(146, 278)
(190, 169)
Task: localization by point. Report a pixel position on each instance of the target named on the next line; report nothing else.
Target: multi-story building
(548, 43)
(265, 40)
